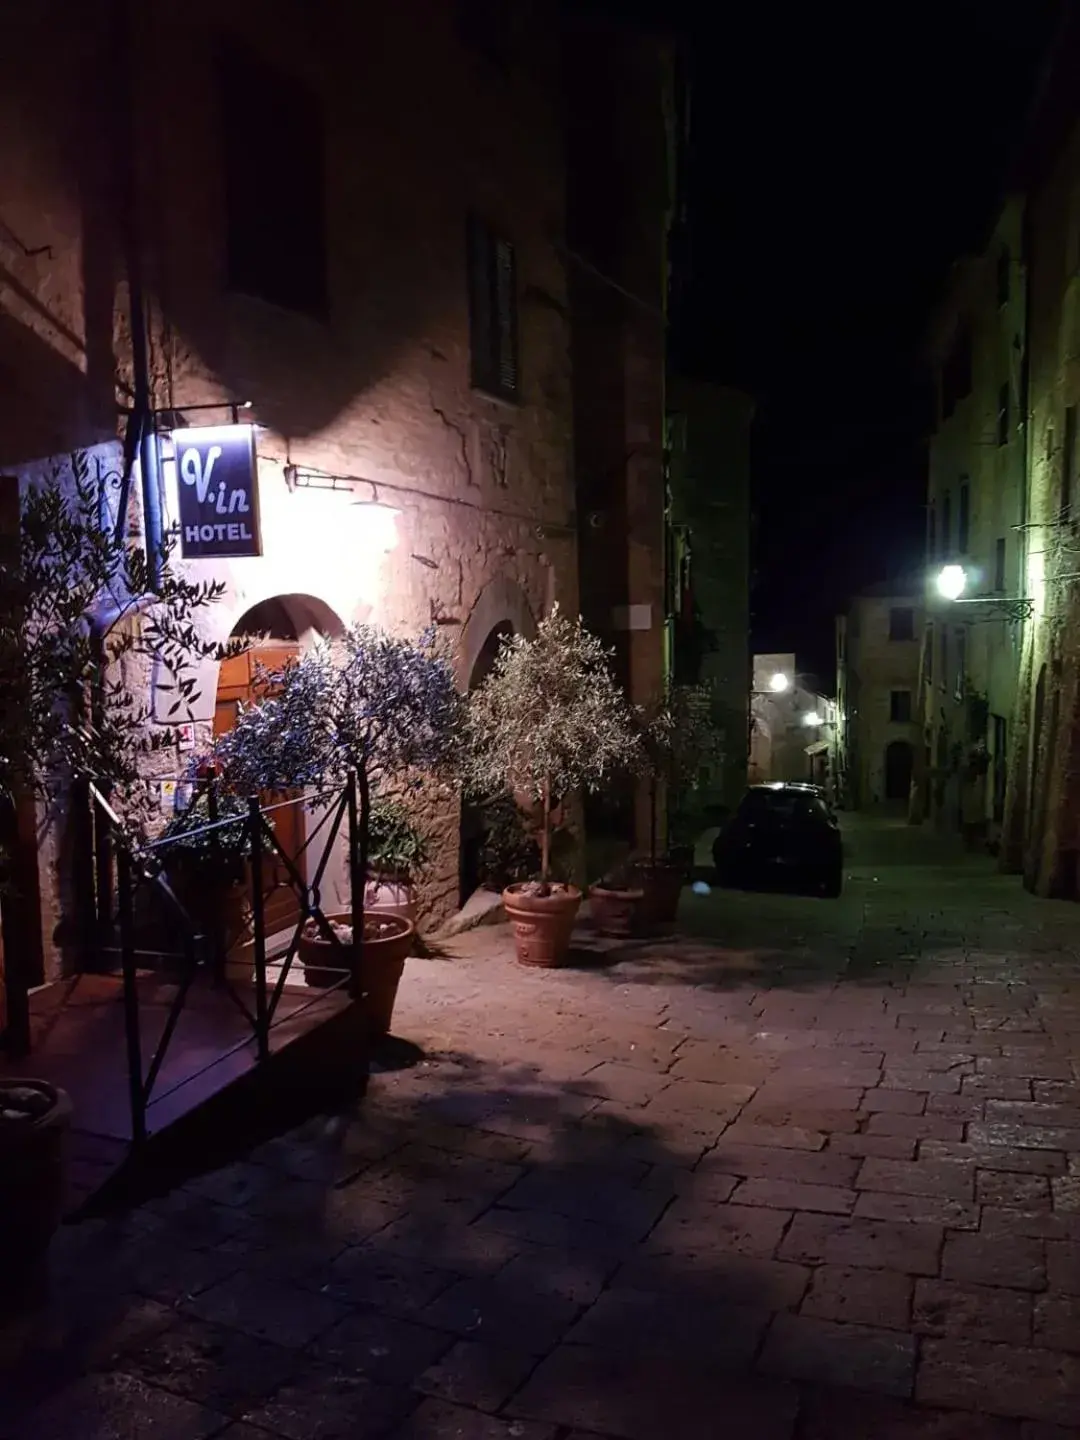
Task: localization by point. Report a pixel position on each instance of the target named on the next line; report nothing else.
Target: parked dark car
(781, 834)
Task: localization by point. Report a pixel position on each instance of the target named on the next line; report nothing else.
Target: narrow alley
(810, 1171)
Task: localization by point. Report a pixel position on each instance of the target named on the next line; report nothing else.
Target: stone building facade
(215, 208)
(975, 520)
(877, 668)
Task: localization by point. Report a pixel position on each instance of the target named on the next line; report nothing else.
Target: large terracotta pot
(663, 884)
(618, 913)
(32, 1174)
(387, 942)
(542, 924)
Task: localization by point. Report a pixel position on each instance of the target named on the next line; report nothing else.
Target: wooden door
(236, 685)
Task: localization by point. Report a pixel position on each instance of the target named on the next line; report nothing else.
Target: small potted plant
(397, 850)
(618, 903)
(326, 952)
(548, 720)
(204, 850)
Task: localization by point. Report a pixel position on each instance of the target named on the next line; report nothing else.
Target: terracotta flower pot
(387, 942)
(617, 913)
(663, 883)
(541, 923)
(34, 1120)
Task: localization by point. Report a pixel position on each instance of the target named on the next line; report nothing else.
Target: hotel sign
(217, 489)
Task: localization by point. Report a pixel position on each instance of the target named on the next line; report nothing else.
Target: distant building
(877, 677)
(791, 725)
(709, 557)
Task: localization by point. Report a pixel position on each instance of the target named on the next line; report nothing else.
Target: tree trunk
(652, 818)
(363, 845)
(545, 834)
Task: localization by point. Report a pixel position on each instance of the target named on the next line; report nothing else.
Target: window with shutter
(1068, 458)
(493, 328)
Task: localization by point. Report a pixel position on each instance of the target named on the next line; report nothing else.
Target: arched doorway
(279, 628)
(471, 834)
(899, 769)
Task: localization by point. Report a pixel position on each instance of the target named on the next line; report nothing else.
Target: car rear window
(782, 805)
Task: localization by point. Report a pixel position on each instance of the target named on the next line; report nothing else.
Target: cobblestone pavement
(816, 1176)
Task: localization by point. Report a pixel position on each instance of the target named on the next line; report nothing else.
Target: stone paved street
(810, 1172)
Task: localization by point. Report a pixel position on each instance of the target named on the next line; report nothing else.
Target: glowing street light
(952, 582)
(812, 718)
(779, 682)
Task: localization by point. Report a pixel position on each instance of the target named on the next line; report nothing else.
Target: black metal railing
(135, 886)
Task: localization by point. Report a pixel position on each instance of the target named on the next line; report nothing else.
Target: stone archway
(501, 603)
(471, 832)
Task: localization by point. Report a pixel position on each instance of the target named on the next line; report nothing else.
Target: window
(900, 707)
(963, 532)
(1004, 275)
(1003, 414)
(274, 184)
(493, 329)
(999, 565)
(961, 664)
(931, 535)
(1068, 458)
(901, 623)
(946, 526)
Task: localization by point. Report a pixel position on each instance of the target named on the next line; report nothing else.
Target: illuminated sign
(217, 489)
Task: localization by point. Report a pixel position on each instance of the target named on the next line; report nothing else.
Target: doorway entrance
(899, 768)
(472, 834)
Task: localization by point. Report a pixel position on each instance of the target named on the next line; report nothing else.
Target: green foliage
(80, 632)
(396, 846)
(548, 720)
(194, 838)
(510, 853)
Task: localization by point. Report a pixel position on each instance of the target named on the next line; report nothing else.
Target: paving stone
(624, 1083)
(561, 1232)
(806, 1095)
(222, 1369)
(849, 1415)
(574, 1274)
(785, 1137)
(915, 1127)
(762, 1162)
(909, 1249)
(1024, 1137)
(922, 1177)
(267, 1309)
(791, 1195)
(382, 1347)
(1063, 1266)
(724, 1279)
(795, 1117)
(1057, 1322)
(478, 1374)
(396, 1283)
(937, 1082)
(115, 1406)
(437, 1420)
(1034, 1224)
(1009, 1380)
(693, 1229)
(1017, 1192)
(861, 1297)
(886, 1146)
(1031, 1112)
(483, 1309)
(1035, 1066)
(634, 1397)
(965, 1109)
(994, 1260)
(894, 1101)
(465, 1249)
(1065, 1190)
(926, 1209)
(322, 1404)
(1003, 1158)
(996, 1087)
(803, 1347)
(699, 1096)
(580, 1192)
(684, 1324)
(948, 1309)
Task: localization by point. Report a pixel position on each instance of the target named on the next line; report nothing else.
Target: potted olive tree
(548, 720)
(679, 739)
(371, 706)
(81, 610)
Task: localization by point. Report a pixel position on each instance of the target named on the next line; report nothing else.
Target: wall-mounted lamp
(951, 582)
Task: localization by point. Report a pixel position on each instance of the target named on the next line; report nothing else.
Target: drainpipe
(141, 437)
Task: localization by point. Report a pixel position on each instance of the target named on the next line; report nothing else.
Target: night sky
(843, 156)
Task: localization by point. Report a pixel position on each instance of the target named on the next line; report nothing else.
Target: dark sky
(843, 156)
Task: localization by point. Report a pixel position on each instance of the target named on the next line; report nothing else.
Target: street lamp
(779, 682)
(952, 582)
(812, 719)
